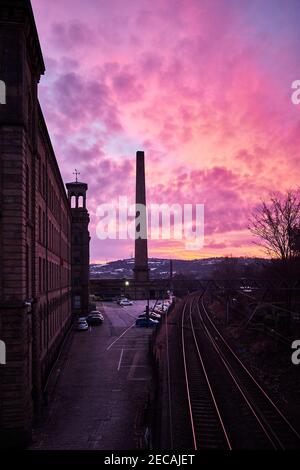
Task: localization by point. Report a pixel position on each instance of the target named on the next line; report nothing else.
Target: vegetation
(276, 225)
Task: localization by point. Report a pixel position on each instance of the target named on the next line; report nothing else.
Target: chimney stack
(141, 271)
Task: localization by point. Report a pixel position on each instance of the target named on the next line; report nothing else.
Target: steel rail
(251, 377)
(205, 397)
(236, 382)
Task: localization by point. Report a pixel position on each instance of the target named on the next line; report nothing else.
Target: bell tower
(80, 246)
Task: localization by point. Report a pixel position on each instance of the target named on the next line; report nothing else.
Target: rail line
(208, 430)
(271, 421)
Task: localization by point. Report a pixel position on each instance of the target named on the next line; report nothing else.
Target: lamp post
(126, 284)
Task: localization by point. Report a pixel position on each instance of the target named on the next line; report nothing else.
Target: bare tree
(276, 225)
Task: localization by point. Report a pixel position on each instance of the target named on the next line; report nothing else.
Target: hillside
(160, 268)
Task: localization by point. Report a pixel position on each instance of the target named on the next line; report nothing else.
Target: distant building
(35, 232)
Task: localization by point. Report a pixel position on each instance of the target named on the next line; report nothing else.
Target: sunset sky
(202, 86)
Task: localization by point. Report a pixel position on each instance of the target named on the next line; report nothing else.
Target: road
(102, 383)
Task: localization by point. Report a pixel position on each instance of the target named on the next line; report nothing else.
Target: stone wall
(35, 232)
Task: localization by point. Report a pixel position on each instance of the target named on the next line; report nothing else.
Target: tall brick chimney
(141, 271)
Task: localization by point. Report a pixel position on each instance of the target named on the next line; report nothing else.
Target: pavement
(101, 386)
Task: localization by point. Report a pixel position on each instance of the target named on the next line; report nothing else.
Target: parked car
(161, 307)
(83, 318)
(125, 302)
(146, 322)
(155, 315)
(95, 318)
(158, 311)
(152, 314)
(82, 325)
(95, 312)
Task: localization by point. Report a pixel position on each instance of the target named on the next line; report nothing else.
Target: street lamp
(126, 284)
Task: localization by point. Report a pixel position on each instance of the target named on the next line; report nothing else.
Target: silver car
(82, 325)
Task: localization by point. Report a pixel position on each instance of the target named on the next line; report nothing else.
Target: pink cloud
(203, 87)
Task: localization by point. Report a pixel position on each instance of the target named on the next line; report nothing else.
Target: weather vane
(76, 173)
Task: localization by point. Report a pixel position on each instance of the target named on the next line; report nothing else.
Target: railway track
(278, 430)
(207, 426)
(222, 394)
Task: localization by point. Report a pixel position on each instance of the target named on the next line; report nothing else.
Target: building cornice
(19, 13)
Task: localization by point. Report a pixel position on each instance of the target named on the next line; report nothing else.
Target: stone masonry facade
(35, 232)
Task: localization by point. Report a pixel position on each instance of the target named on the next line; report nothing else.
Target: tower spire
(76, 173)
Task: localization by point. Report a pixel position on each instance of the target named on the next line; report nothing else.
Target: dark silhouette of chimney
(141, 270)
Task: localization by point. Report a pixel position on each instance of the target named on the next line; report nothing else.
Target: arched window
(80, 200)
(2, 352)
(73, 201)
(2, 92)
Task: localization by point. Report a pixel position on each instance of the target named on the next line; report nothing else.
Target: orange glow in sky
(203, 87)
